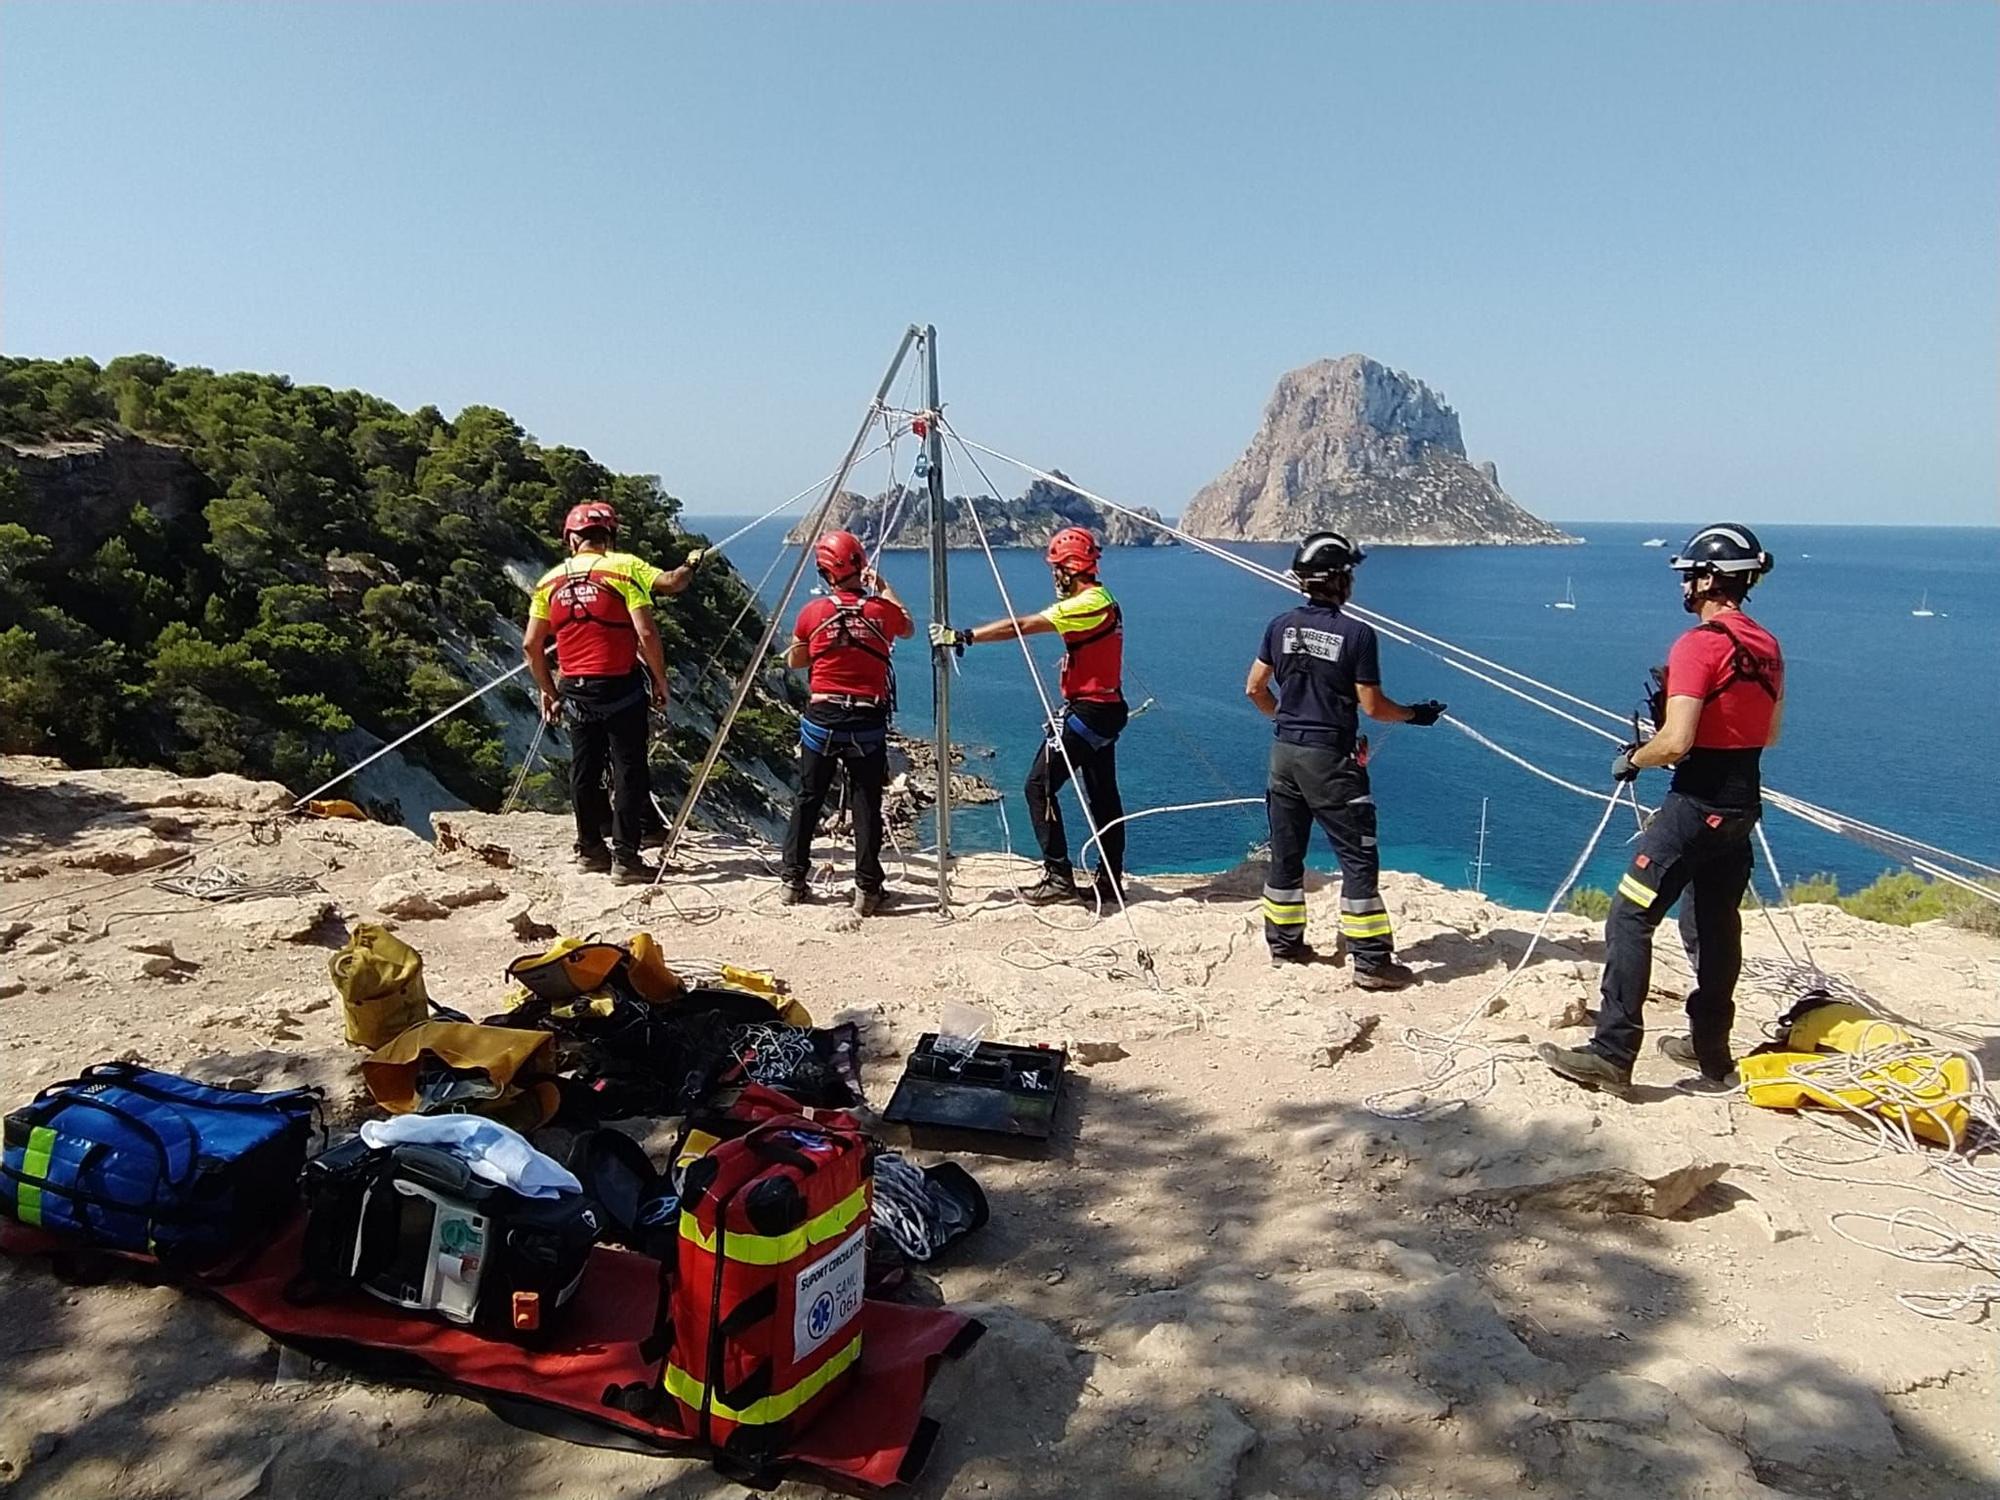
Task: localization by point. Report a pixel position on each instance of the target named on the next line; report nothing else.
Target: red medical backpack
(770, 1264)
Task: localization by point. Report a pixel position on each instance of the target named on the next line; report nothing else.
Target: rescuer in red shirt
(844, 640)
(1720, 705)
(597, 606)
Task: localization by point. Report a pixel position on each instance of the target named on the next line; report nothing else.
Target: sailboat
(1654, 541)
(1923, 611)
(1568, 600)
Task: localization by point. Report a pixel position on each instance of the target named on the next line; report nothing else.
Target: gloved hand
(1622, 768)
(944, 635)
(695, 557)
(1427, 712)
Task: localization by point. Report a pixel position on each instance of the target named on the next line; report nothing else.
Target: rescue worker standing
(1326, 672)
(597, 604)
(1722, 703)
(1091, 718)
(844, 640)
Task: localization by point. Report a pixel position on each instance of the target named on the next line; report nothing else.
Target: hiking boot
(1305, 953)
(1676, 1048)
(1702, 1083)
(1581, 1065)
(793, 893)
(631, 869)
(596, 859)
(1108, 892)
(1051, 890)
(1391, 976)
(867, 903)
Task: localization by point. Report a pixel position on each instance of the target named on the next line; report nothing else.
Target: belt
(849, 700)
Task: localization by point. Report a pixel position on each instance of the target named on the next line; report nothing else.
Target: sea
(1891, 716)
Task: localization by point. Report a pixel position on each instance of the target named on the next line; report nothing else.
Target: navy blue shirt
(1317, 656)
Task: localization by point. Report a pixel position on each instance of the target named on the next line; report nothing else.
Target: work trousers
(1704, 852)
(1088, 739)
(830, 737)
(606, 720)
(1310, 784)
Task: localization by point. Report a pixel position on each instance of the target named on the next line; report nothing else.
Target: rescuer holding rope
(844, 640)
(1325, 667)
(1092, 715)
(598, 605)
(1719, 704)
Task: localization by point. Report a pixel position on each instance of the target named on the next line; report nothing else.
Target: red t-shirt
(848, 638)
(1706, 659)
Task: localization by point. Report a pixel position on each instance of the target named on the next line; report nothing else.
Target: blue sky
(1666, 260)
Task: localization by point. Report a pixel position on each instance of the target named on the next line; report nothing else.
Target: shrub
(1821, 890)
(1897, 897)
(1589, 901)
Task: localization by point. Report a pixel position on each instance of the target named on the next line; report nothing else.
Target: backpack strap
(846, 614)
(1113, 623)
(1744, 665)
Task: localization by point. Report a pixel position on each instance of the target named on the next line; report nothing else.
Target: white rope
(1529, 766)
(440, 716)
(527, 766)
(1833, 822)
(1446, 1057)
(783, 505)
(1058, 735)
(1942, 1245)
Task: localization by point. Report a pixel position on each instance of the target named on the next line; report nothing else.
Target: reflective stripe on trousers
(1308, 785)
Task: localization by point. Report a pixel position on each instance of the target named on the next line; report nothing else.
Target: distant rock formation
(1026, 521)
(1352, 446)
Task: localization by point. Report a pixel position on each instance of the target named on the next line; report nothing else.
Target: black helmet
(1324, 553)
(1722, 548)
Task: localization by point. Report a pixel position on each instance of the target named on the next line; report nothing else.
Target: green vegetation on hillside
(1902, 897)
(328, 564)
(1896, 897)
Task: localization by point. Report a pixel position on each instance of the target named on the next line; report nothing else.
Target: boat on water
(1568, 600)
(1654, 541)
(1923, 611)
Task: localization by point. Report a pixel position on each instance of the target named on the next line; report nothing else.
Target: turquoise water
(1890, 718)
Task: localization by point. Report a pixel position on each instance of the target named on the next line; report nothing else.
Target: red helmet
(1075, 550)
(840, 554)
(592, 515)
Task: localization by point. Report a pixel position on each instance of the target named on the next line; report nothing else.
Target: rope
(221, 884)
(1945, 1246)
(527, 766)
(1901, 846)
(437, 718)
(1446, 1057)
(742, 531)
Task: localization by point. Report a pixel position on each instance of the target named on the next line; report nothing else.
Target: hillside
(1230, 1279)
(1028, 520)
(232, 572)
(1352, 446)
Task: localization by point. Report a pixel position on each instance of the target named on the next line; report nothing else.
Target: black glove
(944, 635)
(1427, 712)
(1622, 768)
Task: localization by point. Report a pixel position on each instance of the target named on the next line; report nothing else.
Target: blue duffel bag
(130, 1159)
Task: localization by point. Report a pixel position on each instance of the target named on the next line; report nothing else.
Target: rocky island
(1029, 520)
(1350, 445)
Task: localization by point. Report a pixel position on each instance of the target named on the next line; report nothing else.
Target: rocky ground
(1230, 1278)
